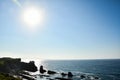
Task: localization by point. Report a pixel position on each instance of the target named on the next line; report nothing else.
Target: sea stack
(42, 71)
(70, 74)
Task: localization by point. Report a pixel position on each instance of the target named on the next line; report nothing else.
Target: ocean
(104, 69)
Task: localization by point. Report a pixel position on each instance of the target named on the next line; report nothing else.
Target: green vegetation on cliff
(7, 77)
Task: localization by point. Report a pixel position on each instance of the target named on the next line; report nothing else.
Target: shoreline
(22, 70)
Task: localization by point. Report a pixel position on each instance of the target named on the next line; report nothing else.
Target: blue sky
(73, 29)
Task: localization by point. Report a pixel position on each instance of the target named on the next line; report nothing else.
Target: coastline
(18, 70)
(57, 69)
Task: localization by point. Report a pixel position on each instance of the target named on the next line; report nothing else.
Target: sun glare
(32, 17)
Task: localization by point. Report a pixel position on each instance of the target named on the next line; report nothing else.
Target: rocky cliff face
(29, 66)
(14, 65)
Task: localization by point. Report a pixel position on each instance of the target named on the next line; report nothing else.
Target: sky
(72, 29)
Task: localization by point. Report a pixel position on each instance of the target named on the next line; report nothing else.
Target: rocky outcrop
(51, 72)
(8, 65)
(42, 70)
(14, 65)
(82, 76)
(29, 66)
(28, 77)
(70, 74)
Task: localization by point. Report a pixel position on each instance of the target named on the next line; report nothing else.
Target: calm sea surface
(106, 69)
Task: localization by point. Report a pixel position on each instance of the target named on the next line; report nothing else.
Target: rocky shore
(53, 75)
(15, 69)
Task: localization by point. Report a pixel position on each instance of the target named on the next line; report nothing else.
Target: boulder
(63, 74)
(70, 74)
(42, 70)
(51, 72)
(82, 76)
(96, 77)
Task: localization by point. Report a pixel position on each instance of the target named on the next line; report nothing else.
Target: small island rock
(51, 72)
(70, 74)
(42, 70)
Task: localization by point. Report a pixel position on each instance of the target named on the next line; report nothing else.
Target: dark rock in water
(62, 78)
(70, 74)
(82, 76)
(96, 77)
(63, 74)
(51, 72)
(42, 70)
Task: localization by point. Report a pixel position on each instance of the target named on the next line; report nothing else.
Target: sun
(32, 16)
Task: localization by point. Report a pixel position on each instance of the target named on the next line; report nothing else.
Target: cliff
(14, 65)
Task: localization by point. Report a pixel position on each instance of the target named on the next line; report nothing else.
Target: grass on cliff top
(7, 77)
(1, 62)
